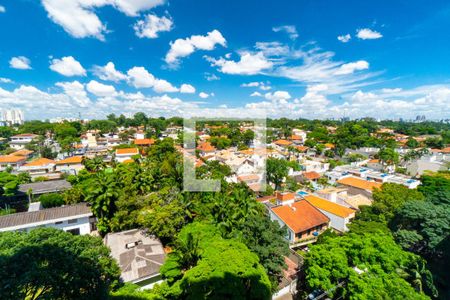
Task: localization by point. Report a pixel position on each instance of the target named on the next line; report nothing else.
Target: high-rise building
(12, 116)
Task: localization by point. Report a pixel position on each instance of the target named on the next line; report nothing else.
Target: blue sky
(311, 59)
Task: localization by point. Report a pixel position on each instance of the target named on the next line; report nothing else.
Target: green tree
(51, 200)
(277, 170)
(53, 264)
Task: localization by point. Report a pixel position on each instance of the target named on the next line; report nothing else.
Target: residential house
(19, 141)
(71, 165)
(139, 255)
(11, 161)
(314, 166)
(340, 216)
(206, 148)
(359, 186)
(340, 196)
(126, 154)
(44, 187)
(144, 142)
(40, 167)
(302, 220)
(24, 152)
(76, 219)
(281, 145)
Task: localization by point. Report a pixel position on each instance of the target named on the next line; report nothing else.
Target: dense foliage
(53, 264)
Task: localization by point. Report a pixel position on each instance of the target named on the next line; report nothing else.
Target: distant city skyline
(303, 59)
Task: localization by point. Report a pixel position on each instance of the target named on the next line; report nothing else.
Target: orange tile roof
(128, 161)
(31, 135)
(301, 148)
(206, 147)
(23, 152)
(282, 143)
(311, 175)
(248, 177)
(131, 151)
(374, 161)
(295, 137)
(445, 150)
(70, 160)
(359, 183)
(300, 216)
(329, 206)
(142, 142)
(247, 151)
(199, 163)
(39, 162)
(329, 145)
(285, 196)
(11, 158)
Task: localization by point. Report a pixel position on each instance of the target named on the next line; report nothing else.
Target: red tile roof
(285, 196)
(329, 206)
(130, 151)
(144, 142)
(206, 147)
(311, 175)
(282, 143)
(359, 183)
(11, 158)
(300, 216)
(39, 162)
(70, 160)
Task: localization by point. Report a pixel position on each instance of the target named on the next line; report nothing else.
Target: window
(59, 222)
(75, 231)
(73, 221)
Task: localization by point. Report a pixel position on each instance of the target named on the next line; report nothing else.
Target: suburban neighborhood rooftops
(144, 142)
(139, 255)
(285, 196)
(300, 216)
(27, 219)
(50, 186)
(311, 175)
(282, 143)
(127, 151)
(70, 160)
(39, 162)
(24, 135)
(23, 152)
(329, 206)
(359, 183)
(206, 147)
(11, 158)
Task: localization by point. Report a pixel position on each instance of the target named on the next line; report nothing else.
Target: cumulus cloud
(163, 86)
(79, 19)
(368, 34)
(289, 29)
(185, 47)
(67, 66)
(5, 80)
(256, 94)
(248, 64)
(109, 73)
(344, 38)
(211, 77)
(203, 95)
(259, 84)
(151, 25)
(20, 62)
(100, 89)
(139, 77)
(187, 89)
(75, 92)
(2, 9)
(352, 67)
(278, 96)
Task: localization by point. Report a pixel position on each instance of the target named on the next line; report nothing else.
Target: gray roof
(140, 261)
(43, 187)
(49, 214)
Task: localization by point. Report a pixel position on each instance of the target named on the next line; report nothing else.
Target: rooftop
(70, 160)
(11, 158)
(329, 206)
(311, 175)
(143, 142)
(139, 255)
(359, 183)
(127, 151)
(282, 143)
(19, 220)
(39, 162)
(300, 216)
(45, 186)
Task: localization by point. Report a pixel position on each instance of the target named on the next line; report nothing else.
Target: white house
(71, 165)
(126, 154)
(19, 141)
(76, 219)
(11, 161)
(340, 216)
(139, 255)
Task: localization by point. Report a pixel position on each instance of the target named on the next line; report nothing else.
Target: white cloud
(2, 9)
(249, 64)
(344, 38)
(256, 94)
(185, 47)
(75, 91)
(5, 80)
(100, 89)
(368, 34)
(20, 62)
(109, 73)
(187, 89)
(67, 66)
(289, 29)
(211, 77)
(152, 25)
(278, 96)
(203, 95)
(349, 68)
(251, 84)
(163, 86)
(139, 77)
(78, 17)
